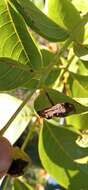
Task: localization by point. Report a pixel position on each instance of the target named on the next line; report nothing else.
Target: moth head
(70, 108)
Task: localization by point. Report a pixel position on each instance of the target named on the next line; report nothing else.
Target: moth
(58, 110)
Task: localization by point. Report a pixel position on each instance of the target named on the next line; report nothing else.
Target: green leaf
(83, 101)
(12, 43)
(32, 84)
(52, 77)
(18, 185)
(78, 121)
(81, 5)
(26, 39)
(39, 22)
(62, 12)
(82, 67)
(85, 40)
(82, 79)
(59, 152)
(78, 90)
(84, 43)
(85, 65)
(67, 16)
(39, 3)
(81, 51)
(47, 56)
(43, 101)
(13, 74)
(83, 142)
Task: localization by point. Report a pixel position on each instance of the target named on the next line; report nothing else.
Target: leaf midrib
(61, 147)
(16, 30)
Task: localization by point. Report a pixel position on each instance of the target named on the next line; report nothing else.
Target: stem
(29, 136)
(2, 131)
(59, 79)
(49, 98)
(67, 43)
(48, 69)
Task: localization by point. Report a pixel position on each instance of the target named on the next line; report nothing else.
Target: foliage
(54, 77)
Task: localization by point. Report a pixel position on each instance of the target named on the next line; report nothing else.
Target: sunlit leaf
(83, 101)
(82, 79)
(83, 142)
(67, 16)
(27, 42)
(78, 90)
(82, 67)
(8, 105)
(78, 121)
(39, 3)
(13, 31)
(62, 12)
(10, 45)
(81, 5)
